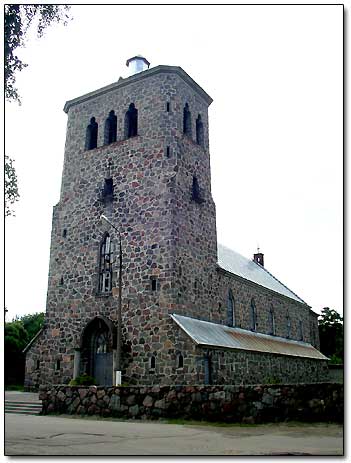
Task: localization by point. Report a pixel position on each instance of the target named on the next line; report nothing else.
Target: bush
(83, 380)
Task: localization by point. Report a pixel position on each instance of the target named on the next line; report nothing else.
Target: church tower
(137, 152)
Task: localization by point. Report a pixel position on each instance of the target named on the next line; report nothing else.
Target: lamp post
(119, 312)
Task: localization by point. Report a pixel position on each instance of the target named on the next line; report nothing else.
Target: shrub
(83, 380)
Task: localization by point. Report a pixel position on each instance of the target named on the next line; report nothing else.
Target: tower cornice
(162, 69)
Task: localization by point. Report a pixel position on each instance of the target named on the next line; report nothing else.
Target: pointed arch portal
(97, 344)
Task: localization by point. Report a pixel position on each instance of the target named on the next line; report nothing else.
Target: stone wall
(232, 404)
(336, 373)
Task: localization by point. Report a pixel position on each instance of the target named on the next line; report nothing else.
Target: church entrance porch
(97, 346)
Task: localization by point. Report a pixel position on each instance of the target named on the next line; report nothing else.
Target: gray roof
(220, 336)
(237, 264)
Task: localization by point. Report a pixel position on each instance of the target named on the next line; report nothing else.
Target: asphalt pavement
(59, 435)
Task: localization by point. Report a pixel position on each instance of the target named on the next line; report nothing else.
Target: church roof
(237, 264)
(214, 335)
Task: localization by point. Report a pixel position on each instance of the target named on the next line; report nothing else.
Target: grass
(14, 387)
(182, 421)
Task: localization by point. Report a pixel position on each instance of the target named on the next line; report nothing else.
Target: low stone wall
(336, 373)
(233, 404)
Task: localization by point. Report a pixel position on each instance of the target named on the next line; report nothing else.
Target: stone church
(185, 309)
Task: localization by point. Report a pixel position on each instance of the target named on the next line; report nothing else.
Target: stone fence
(336, 373)
(231, 404)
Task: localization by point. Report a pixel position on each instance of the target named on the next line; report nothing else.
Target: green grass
(14, 387)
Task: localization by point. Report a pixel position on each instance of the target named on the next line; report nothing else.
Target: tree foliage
(17, 22)
(331, 334)
(11, 187)
(18, 334)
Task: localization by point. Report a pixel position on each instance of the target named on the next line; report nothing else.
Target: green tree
(331, 334)
(11, 187)
(15, 342)
(32, 324)
(15, 337)
(18, 334)
(17, 22)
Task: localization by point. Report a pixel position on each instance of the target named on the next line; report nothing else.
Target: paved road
(52, 435)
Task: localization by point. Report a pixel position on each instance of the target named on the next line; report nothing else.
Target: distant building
(193, 311)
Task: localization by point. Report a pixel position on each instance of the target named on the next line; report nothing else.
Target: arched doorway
(97, 350)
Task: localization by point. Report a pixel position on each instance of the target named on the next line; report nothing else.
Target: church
(139, 290)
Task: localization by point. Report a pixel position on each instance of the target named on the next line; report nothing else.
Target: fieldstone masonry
(165, 235)
(230, 404)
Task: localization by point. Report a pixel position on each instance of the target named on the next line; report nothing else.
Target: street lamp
(119, 312)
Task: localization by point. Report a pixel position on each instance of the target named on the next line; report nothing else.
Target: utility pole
(119, 310)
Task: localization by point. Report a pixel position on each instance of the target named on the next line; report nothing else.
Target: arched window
(199, 131)
(230, 309)
(152, 362)
(106, 261)
(288, 326)
(110, 132)
(313, 334)
(253, 315)
(180, 361)
(187, 120)
(196, 192)
(300, 334)
(131, 122)
(271, 321)
(91, 135)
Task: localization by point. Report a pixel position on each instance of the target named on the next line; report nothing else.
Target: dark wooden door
(103, 368)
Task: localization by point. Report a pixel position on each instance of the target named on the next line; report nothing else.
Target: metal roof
(221, 336)
(239, 265)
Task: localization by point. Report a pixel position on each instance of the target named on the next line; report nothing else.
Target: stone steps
(25, 408)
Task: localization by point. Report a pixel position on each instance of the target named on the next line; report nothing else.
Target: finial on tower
(137, 64)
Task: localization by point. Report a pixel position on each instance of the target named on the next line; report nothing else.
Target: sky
(275, 74)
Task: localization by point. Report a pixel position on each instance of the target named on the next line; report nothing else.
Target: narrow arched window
(186, 120)
(199, 131)
(110, 132)
(271, 321)
(196, 194)
(153, 362)
(91, 135)
(106, 261)
(300, 334)
(230, 309)
(313, 334)
(253, 315)
(131, 122)
(288, 326)
(180, 361)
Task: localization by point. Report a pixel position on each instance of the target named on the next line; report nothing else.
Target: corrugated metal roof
(215, 335)
(239, 265)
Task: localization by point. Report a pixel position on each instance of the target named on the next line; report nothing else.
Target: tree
(32, 324)
(11, 187)
(15, 342)
(331, 334)
(18, 334)
(17, 22)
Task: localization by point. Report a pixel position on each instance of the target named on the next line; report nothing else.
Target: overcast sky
(275, 75)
